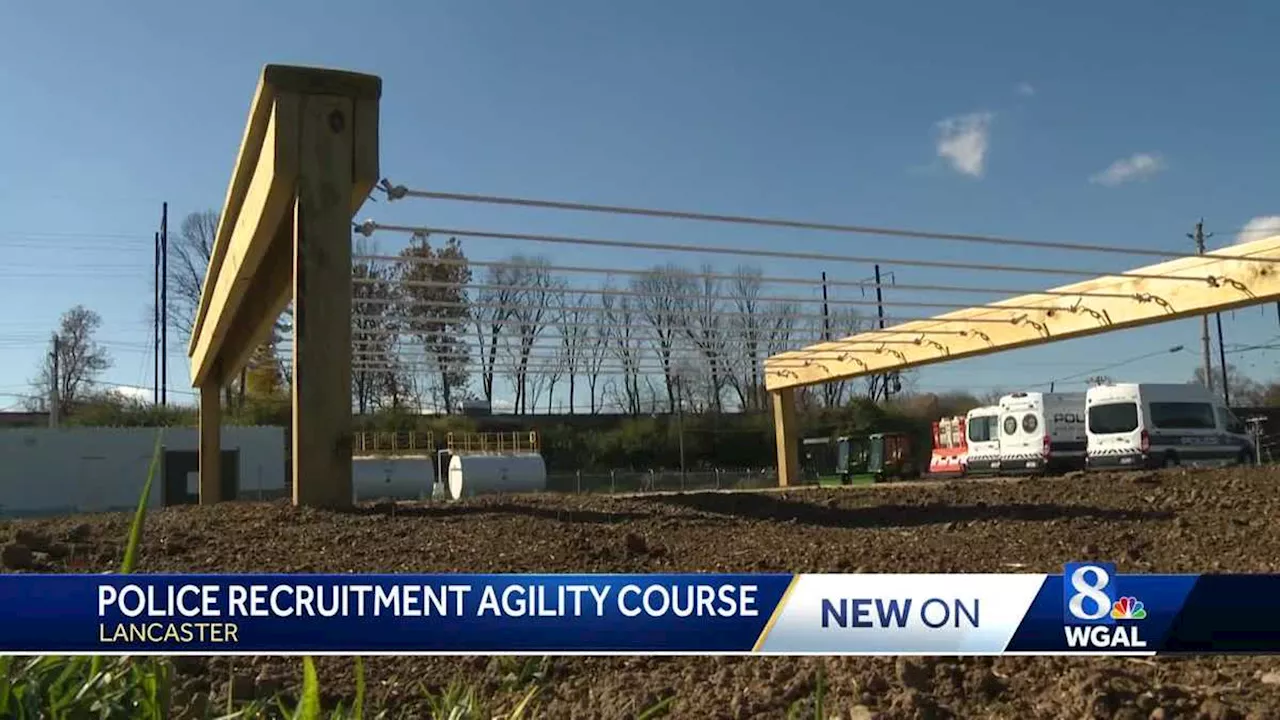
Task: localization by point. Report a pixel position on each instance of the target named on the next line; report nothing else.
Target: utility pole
(884, 380)
(1199, 237)
(155, 327)
(164, 304)
(55, 399)
(826, 316)
(1222, 357)
(830, 391)
(680, 423)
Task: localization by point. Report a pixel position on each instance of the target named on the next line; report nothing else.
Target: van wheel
(1246, 458)
(1170, 460)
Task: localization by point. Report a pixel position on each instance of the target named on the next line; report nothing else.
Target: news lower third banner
(1089, 609)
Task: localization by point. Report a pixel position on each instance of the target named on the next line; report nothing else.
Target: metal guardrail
(393, 443)
(492, 442)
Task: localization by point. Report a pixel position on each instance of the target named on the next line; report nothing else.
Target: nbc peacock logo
(1128, 608)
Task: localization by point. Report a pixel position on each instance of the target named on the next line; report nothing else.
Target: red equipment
(950, 447)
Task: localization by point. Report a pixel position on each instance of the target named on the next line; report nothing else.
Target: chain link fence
(640, 481)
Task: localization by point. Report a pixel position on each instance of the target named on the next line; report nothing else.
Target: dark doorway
(180, 488)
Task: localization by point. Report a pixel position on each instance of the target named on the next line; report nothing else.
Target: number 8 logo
(1090, 591)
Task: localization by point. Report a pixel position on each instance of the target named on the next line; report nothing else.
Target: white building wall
(94, 469)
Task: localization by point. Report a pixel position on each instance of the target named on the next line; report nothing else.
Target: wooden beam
(276, 80)
(786, 436)
(322, 304)
(211, 444)
(1172, 290)
(267, 297)
(269, 196)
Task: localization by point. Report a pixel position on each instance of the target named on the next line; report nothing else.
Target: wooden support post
(784, 430)
(322, 304)
(211, 443)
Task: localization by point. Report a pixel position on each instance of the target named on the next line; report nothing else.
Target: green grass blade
(659, 709)
(140, 515)
(357, 708)
(309, 704)
(517, 713)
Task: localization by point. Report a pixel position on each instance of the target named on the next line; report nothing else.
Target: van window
(1113, 418)
(1010, 425)
(1183, 415)
(980, 428)
(1228, 421)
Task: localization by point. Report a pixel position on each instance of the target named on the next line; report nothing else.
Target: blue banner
(249, 614)
(1089, 609)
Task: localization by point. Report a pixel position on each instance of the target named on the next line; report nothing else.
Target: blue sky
(827, 111)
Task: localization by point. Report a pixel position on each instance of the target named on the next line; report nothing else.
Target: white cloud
(1259, 228)
(1137, 166)
(963, 141)
(1025, 89)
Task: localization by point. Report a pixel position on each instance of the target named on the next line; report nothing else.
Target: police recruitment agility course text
(1088, 609)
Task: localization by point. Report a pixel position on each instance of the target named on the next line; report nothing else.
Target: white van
(982, 433)
(1042, 431)
(1162, 425)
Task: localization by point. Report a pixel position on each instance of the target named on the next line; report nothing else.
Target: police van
(1163, 425)
(1042, 432)
(982, 431)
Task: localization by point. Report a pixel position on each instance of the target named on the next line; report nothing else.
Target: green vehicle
(858, 460)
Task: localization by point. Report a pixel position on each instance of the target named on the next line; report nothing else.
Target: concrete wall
(92, 469)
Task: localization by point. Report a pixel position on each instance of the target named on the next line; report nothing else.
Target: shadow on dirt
(588, 517)
(767, 507)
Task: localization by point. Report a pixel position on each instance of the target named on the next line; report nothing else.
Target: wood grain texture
(322, 306)
(1235, 283)
(787, 436)
(211, 444)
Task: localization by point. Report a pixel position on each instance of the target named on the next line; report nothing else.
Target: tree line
(432, 331)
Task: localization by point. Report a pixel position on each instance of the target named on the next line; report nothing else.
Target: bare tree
(745, 363)
(662, 295)
(705, 327)
(575, 315)
(191, 249)
(491, 316)
(80, 359)
(532, 307)
(620, 314)
(375, 331)
(596, 349)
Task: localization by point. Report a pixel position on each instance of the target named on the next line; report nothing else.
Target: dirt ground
(1175, 521)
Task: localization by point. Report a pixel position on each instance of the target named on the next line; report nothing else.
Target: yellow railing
(492, 442)
(392, 443)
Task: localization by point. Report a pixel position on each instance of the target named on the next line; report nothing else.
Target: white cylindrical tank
(392, 478)
(471, 475)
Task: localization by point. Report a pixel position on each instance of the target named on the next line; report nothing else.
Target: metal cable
(624, 292)
(368, 227)
(764, 280)
(396, 192)
(762, 329)
(679, 313)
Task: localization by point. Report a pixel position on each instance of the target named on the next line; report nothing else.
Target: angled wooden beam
(1172, 290)
(307, 162)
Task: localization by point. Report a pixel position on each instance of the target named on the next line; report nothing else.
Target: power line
(762, 279)
(395, 192)
(368, 227)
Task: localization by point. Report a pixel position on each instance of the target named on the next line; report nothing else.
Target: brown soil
(1178, 521)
